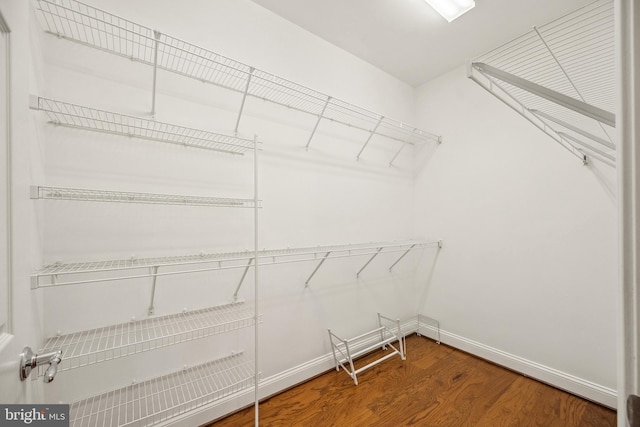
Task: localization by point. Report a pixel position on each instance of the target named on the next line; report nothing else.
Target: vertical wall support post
(324, 258)
(313, 132)
(369, 138)
(627, 26)
(256, 286)
(244, 98)
(244, 274)
(368, 262)
(157, 35)
(154, 274)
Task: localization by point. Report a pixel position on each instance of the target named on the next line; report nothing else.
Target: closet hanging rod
(84, 24)
(48, 275)
(77, 116)
(87, 195)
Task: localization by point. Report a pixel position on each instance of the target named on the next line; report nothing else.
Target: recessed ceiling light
(451, 9)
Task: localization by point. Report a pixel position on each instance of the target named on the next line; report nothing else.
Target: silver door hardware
(29, 361)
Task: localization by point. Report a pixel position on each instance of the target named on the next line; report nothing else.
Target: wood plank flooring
(436, 386)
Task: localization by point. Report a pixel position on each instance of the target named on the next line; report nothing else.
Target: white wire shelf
(112, 342)
(86, 195)
(77, 116)
(573, 56)
(61, 274)
(84, 24)
(159, 399)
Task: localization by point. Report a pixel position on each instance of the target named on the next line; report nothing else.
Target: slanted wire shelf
(109, 270)
(81, 23)
(159, 399)
(77, 116)
(112, 342)
(90, 195)
(575, 56)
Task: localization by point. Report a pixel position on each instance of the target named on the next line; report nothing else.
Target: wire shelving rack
(108, 270)
(86, 25)
(82, 117)
(112, 342)
(91, 195)
(572, 57)
(156, 400)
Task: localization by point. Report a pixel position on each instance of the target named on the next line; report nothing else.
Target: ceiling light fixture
(451, 9)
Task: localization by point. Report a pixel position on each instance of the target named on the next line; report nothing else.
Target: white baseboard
(570, 383)
(426, 327)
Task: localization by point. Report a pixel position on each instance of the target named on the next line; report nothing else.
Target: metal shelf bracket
(370, 259)
(244, 98)
(324, 258)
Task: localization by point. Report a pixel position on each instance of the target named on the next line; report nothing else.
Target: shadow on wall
(606, 177)
(424, 290)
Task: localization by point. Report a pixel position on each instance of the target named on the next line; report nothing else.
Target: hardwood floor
(436, 386)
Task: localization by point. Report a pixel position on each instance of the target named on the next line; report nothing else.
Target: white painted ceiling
(408, 39)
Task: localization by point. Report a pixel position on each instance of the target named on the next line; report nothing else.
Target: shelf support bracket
(370, 136)
(401, 256)
(577, 130)
(157, 35)
(313, 132)
(154, 274)
(244, 98)
(587, 146)
(368, 262)
(550, 95)
(324, 258)
(244, 274)
(404, 144)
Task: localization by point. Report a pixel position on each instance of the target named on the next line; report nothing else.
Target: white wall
(527, 275)
(318, 197)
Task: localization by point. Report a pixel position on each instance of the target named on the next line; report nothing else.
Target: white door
(18, 304)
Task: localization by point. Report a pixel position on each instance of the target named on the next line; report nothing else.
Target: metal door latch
(29, 361)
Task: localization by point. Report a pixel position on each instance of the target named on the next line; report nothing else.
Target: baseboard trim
(424, 326)
(570, 383)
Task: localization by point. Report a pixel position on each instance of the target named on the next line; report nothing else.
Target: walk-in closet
(311, 213)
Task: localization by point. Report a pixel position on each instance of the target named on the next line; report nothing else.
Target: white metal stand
(345, 351)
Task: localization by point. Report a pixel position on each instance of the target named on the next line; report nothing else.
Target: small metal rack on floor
(345, 351)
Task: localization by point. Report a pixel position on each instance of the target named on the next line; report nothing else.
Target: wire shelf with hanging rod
(89, 26)
(561, 77)
(61, 274)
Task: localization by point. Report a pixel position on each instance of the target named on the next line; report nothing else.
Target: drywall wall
(318, 197)
(527, 275)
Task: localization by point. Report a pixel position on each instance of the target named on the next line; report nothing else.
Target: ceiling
(408, 39)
